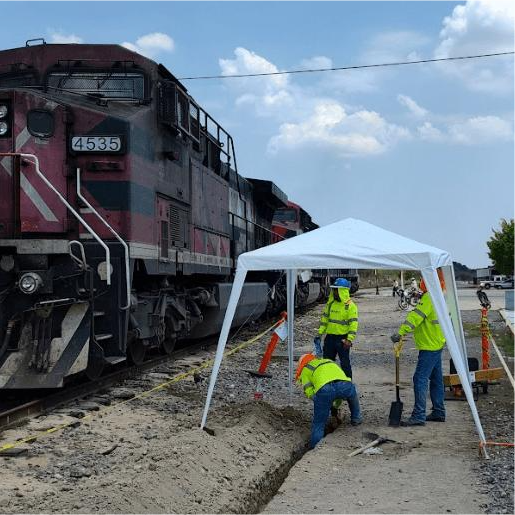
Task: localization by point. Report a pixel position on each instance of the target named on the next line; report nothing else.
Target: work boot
(435, 418)
(356, 422)
(412, 422)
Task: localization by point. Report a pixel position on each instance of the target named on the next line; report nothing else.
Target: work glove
(396, 338)
(317, 346)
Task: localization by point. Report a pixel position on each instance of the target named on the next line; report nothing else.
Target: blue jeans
(332, 346)
(429, 369)
(323, 400)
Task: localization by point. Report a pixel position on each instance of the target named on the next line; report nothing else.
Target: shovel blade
(395, 416)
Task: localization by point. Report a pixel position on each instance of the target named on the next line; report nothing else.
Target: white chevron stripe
(29, 190)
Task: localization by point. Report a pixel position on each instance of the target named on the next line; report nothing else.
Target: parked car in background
(505, 285)
(496, 280)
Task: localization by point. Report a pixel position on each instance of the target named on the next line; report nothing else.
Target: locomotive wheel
(168, 337)
(167, 346)
(136, 351)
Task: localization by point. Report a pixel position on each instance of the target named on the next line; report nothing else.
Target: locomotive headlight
(3, 128)
(30, 282)
(3, 110)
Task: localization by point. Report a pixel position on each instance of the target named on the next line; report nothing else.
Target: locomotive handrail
(116, 235)
(35, 161)
(256, 224)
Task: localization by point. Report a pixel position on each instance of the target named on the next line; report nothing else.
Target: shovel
(376, 440)
(396, 408)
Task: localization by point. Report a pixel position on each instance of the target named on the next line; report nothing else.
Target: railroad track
(29, 409)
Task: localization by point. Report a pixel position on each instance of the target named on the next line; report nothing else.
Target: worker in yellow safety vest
(327, 384)
(339, 323)
(430, 341)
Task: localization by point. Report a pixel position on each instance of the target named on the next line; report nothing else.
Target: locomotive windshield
(285, 215)
(103, 84)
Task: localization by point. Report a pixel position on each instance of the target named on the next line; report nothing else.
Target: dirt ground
(149, 456)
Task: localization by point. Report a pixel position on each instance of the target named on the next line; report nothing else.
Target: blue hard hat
(341, 283)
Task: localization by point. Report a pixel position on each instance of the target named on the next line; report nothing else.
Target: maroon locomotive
(122, 214)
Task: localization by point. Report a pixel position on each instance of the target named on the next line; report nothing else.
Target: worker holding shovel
(429, 340)
(325, 382)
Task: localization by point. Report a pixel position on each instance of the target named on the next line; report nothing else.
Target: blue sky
(425, 150)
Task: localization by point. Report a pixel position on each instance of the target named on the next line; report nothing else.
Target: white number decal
(96, 143)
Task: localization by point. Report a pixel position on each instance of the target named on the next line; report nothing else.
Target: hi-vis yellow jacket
(319, 372)
(422, 321)
(340, 317)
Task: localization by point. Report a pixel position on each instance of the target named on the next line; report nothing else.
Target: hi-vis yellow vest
(319, 372)
(423, 323)
(340, 317)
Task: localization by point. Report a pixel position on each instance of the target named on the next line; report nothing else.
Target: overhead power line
(340, 68)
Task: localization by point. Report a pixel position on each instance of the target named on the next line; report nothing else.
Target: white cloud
(477, 130)
(330, 126)
(59, 36)
(412, 106)
(478, 27)
(481, 129)
(151, 44)
(428, 132)
(264, 93)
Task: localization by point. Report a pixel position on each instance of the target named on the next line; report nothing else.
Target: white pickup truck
(495, 282)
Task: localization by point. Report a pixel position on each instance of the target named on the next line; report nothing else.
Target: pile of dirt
(150, 456)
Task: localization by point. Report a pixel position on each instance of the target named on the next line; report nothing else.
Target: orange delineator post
(271, 345)
(485, 340)
(485, 349)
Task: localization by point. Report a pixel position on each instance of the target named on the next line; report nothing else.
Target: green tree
(501, 247)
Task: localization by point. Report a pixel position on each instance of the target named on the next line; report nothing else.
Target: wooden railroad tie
(478, 376)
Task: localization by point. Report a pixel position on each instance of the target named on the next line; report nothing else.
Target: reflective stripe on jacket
(319, 372)
(423, 323)
(340, 317)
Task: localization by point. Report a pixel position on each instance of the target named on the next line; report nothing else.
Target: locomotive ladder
(116, 235)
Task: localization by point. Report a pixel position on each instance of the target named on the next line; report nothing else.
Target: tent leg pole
(290, 290)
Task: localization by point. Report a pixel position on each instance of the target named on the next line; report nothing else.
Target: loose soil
(149, 456)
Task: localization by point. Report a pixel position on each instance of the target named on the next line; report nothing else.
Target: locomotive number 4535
(96, 144)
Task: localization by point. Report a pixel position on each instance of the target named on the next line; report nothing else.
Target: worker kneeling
(326, 383)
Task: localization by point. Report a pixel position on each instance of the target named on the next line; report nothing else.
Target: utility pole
(377, 284)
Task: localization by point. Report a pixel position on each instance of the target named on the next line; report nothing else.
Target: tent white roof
(348, 243)
(353, 243)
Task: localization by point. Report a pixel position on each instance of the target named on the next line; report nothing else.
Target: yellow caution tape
(175, 379)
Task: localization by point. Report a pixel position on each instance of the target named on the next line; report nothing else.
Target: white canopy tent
(353, 243)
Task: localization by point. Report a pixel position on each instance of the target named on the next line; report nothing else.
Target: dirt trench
(149, 456)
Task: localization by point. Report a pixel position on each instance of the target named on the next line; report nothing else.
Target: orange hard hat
(440, 276)
(303, 361)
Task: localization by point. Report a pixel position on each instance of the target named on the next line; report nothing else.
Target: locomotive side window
(104, 84)
(40, 123)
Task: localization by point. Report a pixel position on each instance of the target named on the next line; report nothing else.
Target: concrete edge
(507, 321)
